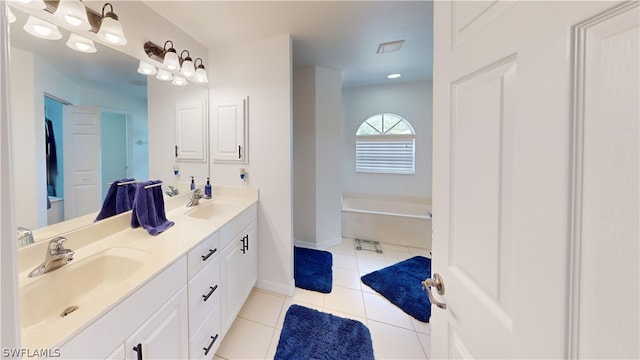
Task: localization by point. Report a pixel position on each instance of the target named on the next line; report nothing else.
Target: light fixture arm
(110, 14)
(201, 66)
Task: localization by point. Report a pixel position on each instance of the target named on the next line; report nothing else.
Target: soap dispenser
(193, 184)
(207, 190)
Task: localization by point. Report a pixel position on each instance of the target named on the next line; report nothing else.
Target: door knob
(437, 282)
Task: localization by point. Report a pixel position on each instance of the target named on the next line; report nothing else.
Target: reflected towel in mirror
(148, 208)
(119, 198)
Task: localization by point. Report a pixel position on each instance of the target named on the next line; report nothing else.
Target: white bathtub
(398, 220)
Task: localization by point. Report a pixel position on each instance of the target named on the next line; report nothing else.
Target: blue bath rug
(312, 269)
(312, 334)
(402, 285)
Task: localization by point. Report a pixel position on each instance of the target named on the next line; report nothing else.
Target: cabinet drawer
(203, 254)
(235, 226)
(206, 284)
(208, 336)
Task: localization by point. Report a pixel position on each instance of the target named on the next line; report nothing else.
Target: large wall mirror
(49, 83)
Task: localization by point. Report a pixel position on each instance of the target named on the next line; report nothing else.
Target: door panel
(607, 270)
(502, 174)
(82, 164)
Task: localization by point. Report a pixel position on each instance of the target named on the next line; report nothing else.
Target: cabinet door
(228, 130)
(231, 282)
(165, 334)
(191, 130)
(250, 258)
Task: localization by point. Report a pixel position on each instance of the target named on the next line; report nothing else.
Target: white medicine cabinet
(228, 130)
(191, 131)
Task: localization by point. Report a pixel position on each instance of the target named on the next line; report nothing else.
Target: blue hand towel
(118, 200)
(148, 209)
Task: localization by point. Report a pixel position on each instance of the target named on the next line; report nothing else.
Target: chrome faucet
(195, 197)
(172, 191)
(55, 257)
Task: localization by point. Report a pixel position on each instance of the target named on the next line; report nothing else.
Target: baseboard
(278, 288)
(322, 245)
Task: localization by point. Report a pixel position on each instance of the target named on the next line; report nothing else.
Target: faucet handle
(57, 243)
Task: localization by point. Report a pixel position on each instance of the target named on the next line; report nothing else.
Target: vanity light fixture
(201, 73)
(147, 69)
(171, 60)
(394, 76)
(81, 43)
(110, 28)
(34, 4)
(74, 13)
(41, 29)
(179, 81)
(187, 69)
(12, 18)
(164, 75)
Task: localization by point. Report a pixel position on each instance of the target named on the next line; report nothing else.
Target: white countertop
(116, 232)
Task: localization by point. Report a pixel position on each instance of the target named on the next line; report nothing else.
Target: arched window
(385, 143)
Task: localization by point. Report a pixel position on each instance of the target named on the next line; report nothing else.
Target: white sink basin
(77, 283)
(208, 209)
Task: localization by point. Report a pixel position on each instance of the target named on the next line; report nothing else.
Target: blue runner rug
(312, 334)
(402, 285)
(312, 269)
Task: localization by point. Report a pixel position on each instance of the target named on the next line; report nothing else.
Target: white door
(503, 177)
(82, 174)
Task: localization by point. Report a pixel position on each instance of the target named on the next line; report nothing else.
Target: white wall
(411, 101)
(261, 70)
(317, 168)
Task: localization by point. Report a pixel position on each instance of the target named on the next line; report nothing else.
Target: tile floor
(395, 335)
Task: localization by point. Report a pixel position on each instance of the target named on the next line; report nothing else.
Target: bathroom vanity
(130, 295)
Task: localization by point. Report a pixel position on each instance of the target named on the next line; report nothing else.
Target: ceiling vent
(390, 46)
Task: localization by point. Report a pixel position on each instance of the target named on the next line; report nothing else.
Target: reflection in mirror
(63, 167)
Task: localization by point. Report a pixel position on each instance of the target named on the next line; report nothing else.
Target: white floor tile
(274, 344)
(346, 247)
(242, 333)
(370, 255)
(345, 300)
(421, 252)
(390, 342)
(346, 278)
(380, 309)
(308, 297)
(262, 307)
(425, 341)
(421, 327)
(367, 265)
(345, 261)
(347, 316)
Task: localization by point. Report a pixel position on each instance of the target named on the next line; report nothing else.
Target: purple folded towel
(119, 199)
(148, 209)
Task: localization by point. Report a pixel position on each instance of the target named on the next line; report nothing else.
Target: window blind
(384, 154)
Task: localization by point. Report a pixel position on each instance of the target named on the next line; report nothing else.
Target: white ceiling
(342, 35)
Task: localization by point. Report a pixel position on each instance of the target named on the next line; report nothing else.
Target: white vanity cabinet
(238, 263)
(204, 298)
(164, 335)
(151, 316)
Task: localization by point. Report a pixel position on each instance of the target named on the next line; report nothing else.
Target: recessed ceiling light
(390, 46)
(393, 76)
